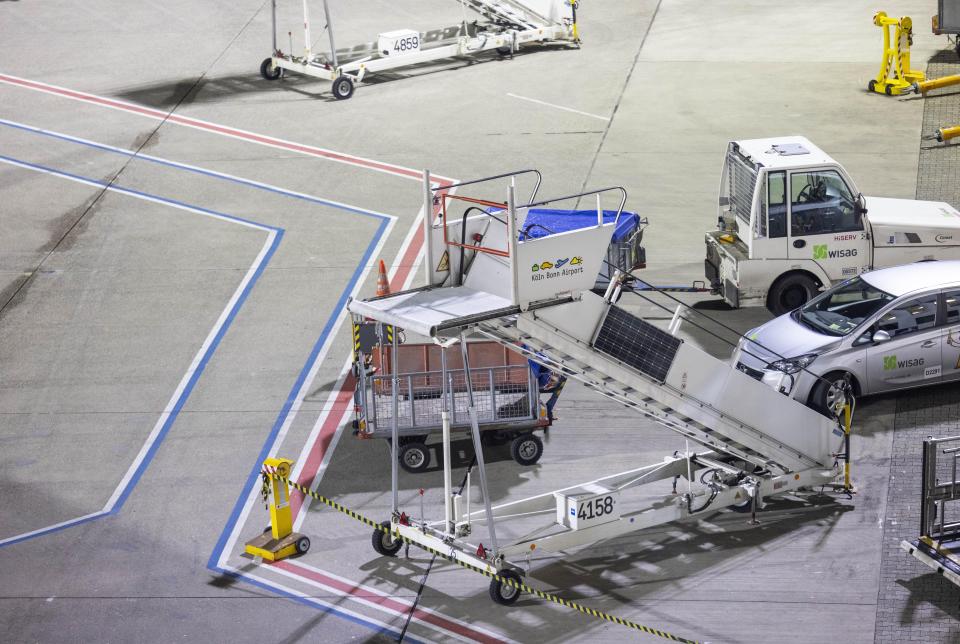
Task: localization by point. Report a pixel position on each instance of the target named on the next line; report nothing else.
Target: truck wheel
(505, 594)
(791, 292)
(526, 449)
(830, 394)
(414, 457)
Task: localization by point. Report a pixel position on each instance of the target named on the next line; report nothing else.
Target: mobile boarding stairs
(534, 296)
(503, 26)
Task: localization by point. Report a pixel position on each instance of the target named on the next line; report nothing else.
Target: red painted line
(385, 601)
(216, 128)
(343, 403)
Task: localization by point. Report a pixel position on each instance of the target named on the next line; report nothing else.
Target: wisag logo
(820, 251)
(890, 363)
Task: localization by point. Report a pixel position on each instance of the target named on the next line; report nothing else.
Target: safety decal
(444, 264)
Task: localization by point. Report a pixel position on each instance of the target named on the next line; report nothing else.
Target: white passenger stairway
(535, 297)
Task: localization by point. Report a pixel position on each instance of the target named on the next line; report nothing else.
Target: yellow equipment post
(922, 87)
(278, 541)
(947, 133)
(895, 75)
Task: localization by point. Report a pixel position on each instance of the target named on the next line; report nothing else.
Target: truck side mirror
(860, 207)
(880, 336)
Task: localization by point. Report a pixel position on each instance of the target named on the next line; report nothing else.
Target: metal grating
(637, 343)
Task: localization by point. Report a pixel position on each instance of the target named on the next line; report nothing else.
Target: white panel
(421, 311)
(737, 395)
(577, 319)
(561, 263)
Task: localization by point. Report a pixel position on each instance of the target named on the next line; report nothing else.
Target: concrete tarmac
(163, 328)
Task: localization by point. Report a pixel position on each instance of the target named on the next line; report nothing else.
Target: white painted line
(559, 107)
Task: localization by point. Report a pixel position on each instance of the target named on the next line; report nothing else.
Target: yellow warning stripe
(503, 580)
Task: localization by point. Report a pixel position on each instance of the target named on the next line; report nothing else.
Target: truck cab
(791, 222)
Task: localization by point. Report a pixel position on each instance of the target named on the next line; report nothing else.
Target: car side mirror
(880, 336)
(860, 206)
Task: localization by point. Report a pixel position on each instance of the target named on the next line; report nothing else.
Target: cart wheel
(303, 544)
(526, 449)
(871, 85)
(342, 88)
(888, 90)
(414, 457)
(268, 71)
(505, 594)
(384, 543)
(503, 52)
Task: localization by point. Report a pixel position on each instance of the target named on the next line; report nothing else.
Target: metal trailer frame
(938, 545)
(501, 415)
(507, 32)
(727, 474)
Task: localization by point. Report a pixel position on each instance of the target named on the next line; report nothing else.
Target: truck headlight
(793, 365)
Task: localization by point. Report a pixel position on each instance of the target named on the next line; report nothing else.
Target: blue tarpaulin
(541, 222)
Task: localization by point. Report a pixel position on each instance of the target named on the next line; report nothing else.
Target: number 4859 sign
(584, 509)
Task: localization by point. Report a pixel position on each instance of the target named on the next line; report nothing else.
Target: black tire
(526, 449)
(268, 71)
(503, 52)
(743, 507)
(790, 292)
(414, 457)
(384, 543)
(505, 594)
(888, 90)
(826, 394)
(342, 88)
(303, 544)
(871, 85)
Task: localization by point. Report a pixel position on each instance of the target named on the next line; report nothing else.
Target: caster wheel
(414, 457)
(503, 52)
(871, 86)
(526, 449)
(342, 88)
(303, 544)
(888, 90)
(505, 594)
(268, 71)
(384, 543)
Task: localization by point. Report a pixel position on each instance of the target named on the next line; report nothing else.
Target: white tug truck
(792, 222)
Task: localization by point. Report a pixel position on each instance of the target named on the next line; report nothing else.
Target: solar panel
(637, 343)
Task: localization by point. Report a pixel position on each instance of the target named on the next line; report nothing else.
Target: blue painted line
(328, 327)
(189, 168)
(326, 609)
(58, 528)
(254, 475)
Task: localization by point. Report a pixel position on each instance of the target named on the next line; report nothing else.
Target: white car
(885, 330)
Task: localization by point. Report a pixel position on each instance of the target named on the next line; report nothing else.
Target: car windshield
(843, 308)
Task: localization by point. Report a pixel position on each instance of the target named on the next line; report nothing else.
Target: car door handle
(799, 243)
(929, 344)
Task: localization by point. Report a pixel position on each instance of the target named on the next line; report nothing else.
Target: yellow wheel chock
(895, 75)
(278, 541)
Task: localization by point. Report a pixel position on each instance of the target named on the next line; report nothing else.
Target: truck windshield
(843, 308)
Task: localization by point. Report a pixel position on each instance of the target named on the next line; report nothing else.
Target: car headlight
(793, 365)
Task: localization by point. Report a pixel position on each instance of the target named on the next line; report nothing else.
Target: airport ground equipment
(755, 443)
(947, 20)
(895, 75)
(922, 87)
(945, 134)
(938, 545)
(791, 221)
(504, 27)
(278, 541)
(505, 395)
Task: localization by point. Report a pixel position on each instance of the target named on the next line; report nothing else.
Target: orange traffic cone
(383, 285)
